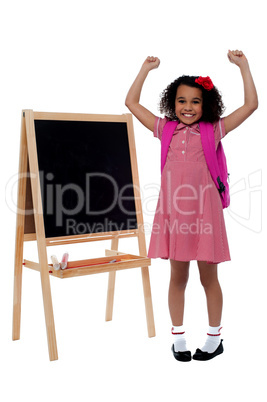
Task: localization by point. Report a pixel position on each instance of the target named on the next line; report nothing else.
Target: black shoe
(203, 356)
(182, 356)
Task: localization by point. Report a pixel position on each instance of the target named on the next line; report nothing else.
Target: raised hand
(151, 62)
(237, 57)
(132, 100)
(251, 98)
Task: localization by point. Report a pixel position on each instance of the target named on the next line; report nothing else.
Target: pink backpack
(215, 159)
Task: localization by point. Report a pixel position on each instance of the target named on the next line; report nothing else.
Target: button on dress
(188, 222)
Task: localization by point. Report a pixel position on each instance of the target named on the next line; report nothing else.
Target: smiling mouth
(188, 115)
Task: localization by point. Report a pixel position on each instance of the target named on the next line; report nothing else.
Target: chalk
(112, 261)
(56, 264)
(64, 261)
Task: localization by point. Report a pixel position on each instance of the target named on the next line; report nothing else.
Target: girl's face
(188, 104)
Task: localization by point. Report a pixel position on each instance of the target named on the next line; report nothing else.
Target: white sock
(178, 334)
(213, 339)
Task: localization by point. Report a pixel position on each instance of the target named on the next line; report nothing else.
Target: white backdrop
(82, 56)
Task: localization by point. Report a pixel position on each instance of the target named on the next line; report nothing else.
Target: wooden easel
(31, 227)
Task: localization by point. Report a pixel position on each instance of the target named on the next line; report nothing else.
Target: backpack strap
(209, 148)
(167, 134)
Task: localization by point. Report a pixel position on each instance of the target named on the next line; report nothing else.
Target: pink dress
(189, 222)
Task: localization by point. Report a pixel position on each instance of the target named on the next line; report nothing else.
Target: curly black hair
(213, 106)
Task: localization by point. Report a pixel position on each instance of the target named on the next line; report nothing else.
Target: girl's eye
(196, 102)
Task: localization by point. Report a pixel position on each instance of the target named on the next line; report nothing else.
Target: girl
(189, 223)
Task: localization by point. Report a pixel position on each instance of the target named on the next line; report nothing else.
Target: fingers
(153, 61)
(237, 57)
(237, 53)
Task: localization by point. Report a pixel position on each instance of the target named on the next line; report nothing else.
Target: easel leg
(49, 316)
(20, 231)
(17, 297)
(110, 296)
(148, 302)
(111, 285)
(146, 287)
(18, 279)
(40, 235)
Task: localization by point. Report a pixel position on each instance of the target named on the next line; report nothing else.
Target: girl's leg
(209, 280)
(210, 283)
(178, 282)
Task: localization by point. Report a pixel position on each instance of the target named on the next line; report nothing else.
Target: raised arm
(133, 97)
(251, 99)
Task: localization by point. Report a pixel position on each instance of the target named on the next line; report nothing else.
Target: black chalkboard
(85, 176)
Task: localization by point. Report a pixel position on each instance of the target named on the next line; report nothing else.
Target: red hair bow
(205, 82)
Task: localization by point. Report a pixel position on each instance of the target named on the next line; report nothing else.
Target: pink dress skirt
(189, 222)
